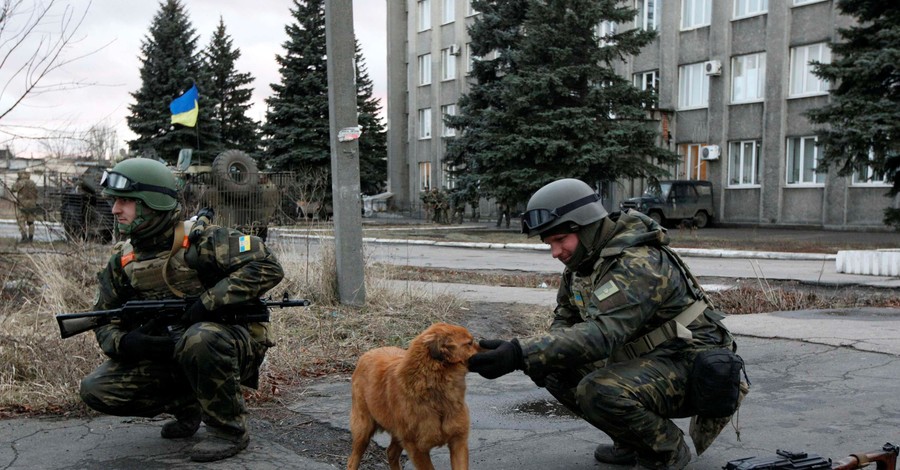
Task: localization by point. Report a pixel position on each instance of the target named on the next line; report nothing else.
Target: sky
(110, 39)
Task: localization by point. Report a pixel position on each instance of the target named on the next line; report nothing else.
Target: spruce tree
(297, 126)
(550, 104)
(373, 142)
(169, 66)
(228, 97)
(863, 117)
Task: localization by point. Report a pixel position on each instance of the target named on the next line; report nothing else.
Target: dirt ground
(325, 443)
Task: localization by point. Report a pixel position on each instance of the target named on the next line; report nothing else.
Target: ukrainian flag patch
(243, 244)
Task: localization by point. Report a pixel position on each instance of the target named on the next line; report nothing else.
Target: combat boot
(677, 462)
(185, 424)
(219, 445)
(615, 454)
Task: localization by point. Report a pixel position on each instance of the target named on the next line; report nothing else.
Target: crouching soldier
(194, 369)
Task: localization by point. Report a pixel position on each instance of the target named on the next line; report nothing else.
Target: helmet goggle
(120, 182)
(537, 218)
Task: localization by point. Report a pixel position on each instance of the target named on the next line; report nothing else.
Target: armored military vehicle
(85, 214)
(242, 197)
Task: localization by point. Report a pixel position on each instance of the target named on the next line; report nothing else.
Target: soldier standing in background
(194, 369)
(629, 326)
(26, 205)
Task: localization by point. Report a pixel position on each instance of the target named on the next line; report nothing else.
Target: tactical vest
(582, 287)
(146, 276)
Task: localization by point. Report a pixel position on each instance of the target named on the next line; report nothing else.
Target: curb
(274, 234)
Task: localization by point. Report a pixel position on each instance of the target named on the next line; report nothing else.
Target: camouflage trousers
(25, 220)
(211, 361)
(631, 401)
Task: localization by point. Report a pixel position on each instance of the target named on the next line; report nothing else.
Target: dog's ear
(437, 347)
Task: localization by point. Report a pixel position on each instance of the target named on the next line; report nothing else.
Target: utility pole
(340, 47)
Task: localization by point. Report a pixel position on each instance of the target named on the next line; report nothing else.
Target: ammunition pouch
(715, 383)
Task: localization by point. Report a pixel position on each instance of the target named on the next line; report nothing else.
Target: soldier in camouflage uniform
(26, 205)
(194, 369)
(621, 282)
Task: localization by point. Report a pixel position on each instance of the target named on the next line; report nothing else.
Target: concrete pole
(340, 48)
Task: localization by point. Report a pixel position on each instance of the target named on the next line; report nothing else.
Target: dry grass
(41, 372)
(747, 297)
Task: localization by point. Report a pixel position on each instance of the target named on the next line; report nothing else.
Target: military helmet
(566, 200)
(143, 179)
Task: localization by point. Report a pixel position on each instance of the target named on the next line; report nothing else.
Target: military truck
(675, 201)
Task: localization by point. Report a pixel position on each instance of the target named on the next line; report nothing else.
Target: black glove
(501, 358)
(140, 344)
(196, 313)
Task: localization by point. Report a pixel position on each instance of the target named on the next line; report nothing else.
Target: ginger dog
(416, 395)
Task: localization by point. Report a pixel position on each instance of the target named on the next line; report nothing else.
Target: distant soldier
(26, 205)
(503, 212)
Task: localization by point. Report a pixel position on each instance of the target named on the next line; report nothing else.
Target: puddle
(544, 408)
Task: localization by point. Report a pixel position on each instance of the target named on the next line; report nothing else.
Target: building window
(425, 69)
(691, 166)
(447, 110)
(646, 14)
(695, 13)
(448, 63)
(803, 82)
(606, 31)
(743, 163)
(802, 160)
(425, 123)
(748, 78)
(448, 13)
(469, 10)
(647, 80)
(866, 175)
(693, 86)
(805, 2)
(449, 176)
(424, 9)
(424, 176)
(745, 8)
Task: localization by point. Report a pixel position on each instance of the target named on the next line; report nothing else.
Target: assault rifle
(884, 459)
(164, 311)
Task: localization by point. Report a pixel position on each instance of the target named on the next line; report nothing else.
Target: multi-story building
(734, 82)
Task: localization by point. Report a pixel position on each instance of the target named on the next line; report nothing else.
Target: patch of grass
(746, 297)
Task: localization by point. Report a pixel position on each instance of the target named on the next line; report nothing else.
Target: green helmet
(566, 200)
(143, 179)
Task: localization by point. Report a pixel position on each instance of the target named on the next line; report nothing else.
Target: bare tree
(34, 36)
(100, 142)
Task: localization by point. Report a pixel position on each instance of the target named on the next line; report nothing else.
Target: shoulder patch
(243, 244)
(606, 290)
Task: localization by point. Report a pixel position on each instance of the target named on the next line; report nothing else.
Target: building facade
(734, 82)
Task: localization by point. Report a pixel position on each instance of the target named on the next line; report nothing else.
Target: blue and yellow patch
(243, 244)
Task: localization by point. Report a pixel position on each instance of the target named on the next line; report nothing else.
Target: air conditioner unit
(454, 49)
(713, 67)
(709, 152)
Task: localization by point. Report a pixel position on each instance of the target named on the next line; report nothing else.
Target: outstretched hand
(499, 358)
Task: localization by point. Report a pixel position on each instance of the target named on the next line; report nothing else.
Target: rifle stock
(71, 324)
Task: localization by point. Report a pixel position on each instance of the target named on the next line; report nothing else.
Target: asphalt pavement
(823, 382)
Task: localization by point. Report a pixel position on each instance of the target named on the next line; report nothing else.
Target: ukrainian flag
(184, 108)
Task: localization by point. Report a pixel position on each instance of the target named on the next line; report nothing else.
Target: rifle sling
(177, 243)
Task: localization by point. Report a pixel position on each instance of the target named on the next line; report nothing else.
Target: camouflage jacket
(634, 288)
(229, 271)
(26, 193)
